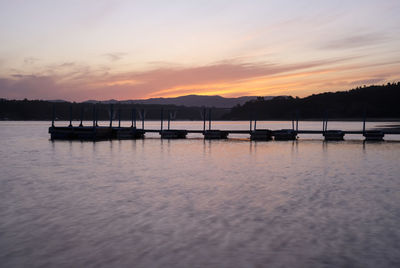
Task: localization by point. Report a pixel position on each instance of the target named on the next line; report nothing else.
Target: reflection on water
(196, 203)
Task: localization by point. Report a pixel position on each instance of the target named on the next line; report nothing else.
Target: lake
(197, 203)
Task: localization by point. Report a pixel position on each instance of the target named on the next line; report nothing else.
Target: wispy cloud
(116, 56)
(31, 86)
(355, 41)
(72, 81)
(30, 60)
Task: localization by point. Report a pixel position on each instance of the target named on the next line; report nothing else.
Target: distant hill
(189, 101)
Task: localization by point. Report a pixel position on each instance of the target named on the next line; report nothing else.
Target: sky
(96, 49)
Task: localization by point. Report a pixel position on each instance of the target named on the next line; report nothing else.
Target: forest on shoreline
(373, 101)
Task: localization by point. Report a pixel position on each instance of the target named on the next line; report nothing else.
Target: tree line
(44, 110)
(374, 101)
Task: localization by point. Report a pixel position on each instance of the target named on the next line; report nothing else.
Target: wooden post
(326, 121)
(119, 117)
(204, 120)
(255, 124)
(142, 118)
(364, 119)
(162, 119)
(54, 115)
(132, 117)
(97, 115)
(81, 124)
(111, 114)
(326, 124)
(169, 118)
(209, 119)
(293, 123)
(251, 120)
(297, 121)
(70, 115)
(94, 115)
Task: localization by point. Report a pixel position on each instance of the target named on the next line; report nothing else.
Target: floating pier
(371, 135)
(374, 135)
(212, 134)
(80, 133)
(333, 135)
(285, 135)
(215, 134)
(288, 134)
(261, 135)
(94, 132)
(128, 133)
(171, 133)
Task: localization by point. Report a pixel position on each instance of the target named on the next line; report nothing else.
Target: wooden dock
(107, 133)
(97, 133)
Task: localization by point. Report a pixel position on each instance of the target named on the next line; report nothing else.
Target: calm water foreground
(196, 203)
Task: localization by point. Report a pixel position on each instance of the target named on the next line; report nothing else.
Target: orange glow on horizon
(301, 83)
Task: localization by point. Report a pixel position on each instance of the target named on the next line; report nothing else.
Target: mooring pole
(251, 120)
(297, 121)
(326, 124)
(142, 118)
(70, 116)
(119, 117)
(209, 119)
(326, 121)
(255, 124)
(111, 114)
(293, 123)
(81, 124)
(364, 119)
(54, 115)
(132, 115)
(162, 119)
(169, 118)
(94, 115)
(97, 115)
(204, 120)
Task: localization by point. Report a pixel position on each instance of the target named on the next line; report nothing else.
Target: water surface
(196, 203)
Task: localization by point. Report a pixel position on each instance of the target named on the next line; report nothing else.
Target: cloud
(369, 81)
(29, 86)
(23, 76)
(72, 81)
(30, 60)
(355, 41)
(116, 56)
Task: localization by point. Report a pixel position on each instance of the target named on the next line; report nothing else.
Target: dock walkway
(107, 133)
(96, 133)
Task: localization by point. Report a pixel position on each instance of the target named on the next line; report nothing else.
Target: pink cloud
(71, 81)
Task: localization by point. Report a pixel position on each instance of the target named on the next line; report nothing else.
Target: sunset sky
(92, 49)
